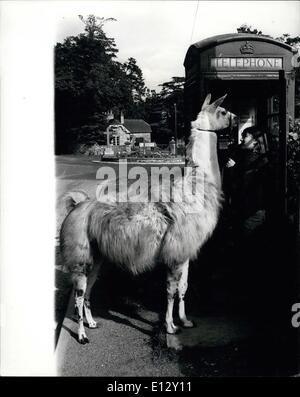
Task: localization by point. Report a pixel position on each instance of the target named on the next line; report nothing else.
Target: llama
(138, 235)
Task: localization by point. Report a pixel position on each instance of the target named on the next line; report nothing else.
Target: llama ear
(217, 102)
(206, 101)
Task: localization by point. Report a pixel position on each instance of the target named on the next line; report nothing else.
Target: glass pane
(273, 132)
(273, 104)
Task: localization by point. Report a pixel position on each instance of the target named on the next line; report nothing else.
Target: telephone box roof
(214, 41)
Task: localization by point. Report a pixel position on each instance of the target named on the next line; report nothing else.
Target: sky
(158, 33)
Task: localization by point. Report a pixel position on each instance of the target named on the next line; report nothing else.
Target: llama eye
(224, 112)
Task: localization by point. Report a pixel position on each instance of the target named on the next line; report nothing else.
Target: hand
(230, 163)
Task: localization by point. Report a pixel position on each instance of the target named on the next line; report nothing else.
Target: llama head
(213, 117)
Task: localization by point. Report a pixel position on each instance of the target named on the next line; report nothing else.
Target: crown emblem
(247, 48)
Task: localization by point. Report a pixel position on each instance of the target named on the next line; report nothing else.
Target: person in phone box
(247, 169)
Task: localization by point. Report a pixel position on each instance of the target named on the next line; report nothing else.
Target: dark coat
(248, 181)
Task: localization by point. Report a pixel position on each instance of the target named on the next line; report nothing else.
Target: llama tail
(71, 199)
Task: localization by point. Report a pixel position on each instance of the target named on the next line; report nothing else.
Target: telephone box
(246, 66)
(257, 74)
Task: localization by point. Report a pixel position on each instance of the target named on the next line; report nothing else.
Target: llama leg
(172, 286)
(182, 288)
(79, 282)
(92, 277)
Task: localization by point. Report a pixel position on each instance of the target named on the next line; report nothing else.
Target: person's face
(248, 141)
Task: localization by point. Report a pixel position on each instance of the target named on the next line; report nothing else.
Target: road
(228, 340)
(131, 343)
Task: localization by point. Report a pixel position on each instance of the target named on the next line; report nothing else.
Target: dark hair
(254, 131)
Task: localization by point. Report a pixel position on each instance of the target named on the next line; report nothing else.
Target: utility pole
(175, 122)
(107, 136)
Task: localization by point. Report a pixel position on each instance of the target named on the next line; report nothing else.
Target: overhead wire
(194, 22)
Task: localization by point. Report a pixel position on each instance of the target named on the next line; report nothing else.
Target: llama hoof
(173, 329)
(188, 324)
(93, 325)
(84, 340)
(177, 331)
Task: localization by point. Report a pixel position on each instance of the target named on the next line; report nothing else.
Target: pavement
(228, 340)
(135, 345)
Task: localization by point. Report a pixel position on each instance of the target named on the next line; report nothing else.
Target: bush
(293, 168)
(293, 155)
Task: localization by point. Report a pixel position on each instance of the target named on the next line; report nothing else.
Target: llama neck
(202, 153)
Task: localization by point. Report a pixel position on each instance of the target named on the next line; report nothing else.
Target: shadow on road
(120, 318)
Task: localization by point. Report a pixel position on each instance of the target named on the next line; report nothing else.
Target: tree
(136, 85)
(173, 97)
(286, 38)
(135, 78)
(89, 82)
(160, 110)
(245, 28)
(94, 28)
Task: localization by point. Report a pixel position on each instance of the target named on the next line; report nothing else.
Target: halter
(229, 127)
(200, 129)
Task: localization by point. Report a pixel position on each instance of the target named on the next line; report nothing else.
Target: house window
(138, 141)
(116, 141)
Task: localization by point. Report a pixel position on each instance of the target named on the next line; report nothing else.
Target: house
(117, 134)
(139, 129)
(124, 130)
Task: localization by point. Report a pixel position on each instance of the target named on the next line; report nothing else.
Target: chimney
(122, 117)
(109, 115)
